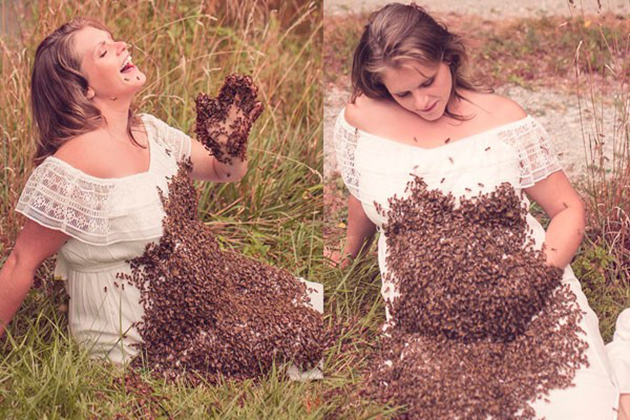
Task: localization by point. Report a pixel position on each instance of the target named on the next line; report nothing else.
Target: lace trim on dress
(175, 141)
(93, 211)
(101, 211)
(60, 199)
(537, 157)
(345, 141)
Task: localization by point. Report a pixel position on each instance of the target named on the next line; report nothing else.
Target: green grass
(274, 214)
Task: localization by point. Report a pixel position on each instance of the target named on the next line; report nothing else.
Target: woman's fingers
(206, 106)
(223, 123)
(256, 111)
(335, 258)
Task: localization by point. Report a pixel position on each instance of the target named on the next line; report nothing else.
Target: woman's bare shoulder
(84, 152)
(490, 105)
(501, 109)
(366, 113)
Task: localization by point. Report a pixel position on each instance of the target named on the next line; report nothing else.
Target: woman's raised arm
(34, 244)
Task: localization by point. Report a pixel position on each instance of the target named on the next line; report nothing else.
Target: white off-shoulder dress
(109, 221)
(375, 169)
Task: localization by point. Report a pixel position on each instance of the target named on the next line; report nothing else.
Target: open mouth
(127, 65)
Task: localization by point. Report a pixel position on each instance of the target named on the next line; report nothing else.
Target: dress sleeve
(346, 141)
(538, 158)
(58, 197)
(175, 141)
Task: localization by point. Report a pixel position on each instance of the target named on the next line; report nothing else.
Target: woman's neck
(116, 113)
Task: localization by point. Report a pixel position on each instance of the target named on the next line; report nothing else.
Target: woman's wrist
(232, 171)
(336, 258)
(551, 257)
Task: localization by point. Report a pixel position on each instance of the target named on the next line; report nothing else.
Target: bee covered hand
(223, 123)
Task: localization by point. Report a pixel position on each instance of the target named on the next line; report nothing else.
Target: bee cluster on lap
(481, 326)
(211, 312)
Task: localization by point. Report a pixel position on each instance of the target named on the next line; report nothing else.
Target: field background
(568, 65)
(273, 214)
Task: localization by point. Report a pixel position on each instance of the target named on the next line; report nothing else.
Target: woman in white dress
(413, 113)
(93, 196)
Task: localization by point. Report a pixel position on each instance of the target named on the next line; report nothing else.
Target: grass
(275, 213)
(602, 263)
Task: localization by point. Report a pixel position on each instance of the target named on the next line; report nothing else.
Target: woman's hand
(359, 234)
(223, 123)
(34, 244)
(334, 258)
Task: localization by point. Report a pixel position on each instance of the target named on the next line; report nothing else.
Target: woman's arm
(566, 209)
(207, 168)
(358, 235)
(35, 243)
(565, 232)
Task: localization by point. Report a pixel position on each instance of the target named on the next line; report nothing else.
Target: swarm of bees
(223, 123)
(210, 313)
(144, 401)
(481, 326)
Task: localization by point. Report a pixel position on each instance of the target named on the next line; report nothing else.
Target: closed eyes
(428, 83)
(103, 44)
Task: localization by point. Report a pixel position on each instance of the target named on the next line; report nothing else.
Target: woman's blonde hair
(400, 33)
(61, 109)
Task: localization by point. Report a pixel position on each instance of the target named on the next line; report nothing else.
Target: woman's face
(421, 89)
(106, 64)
